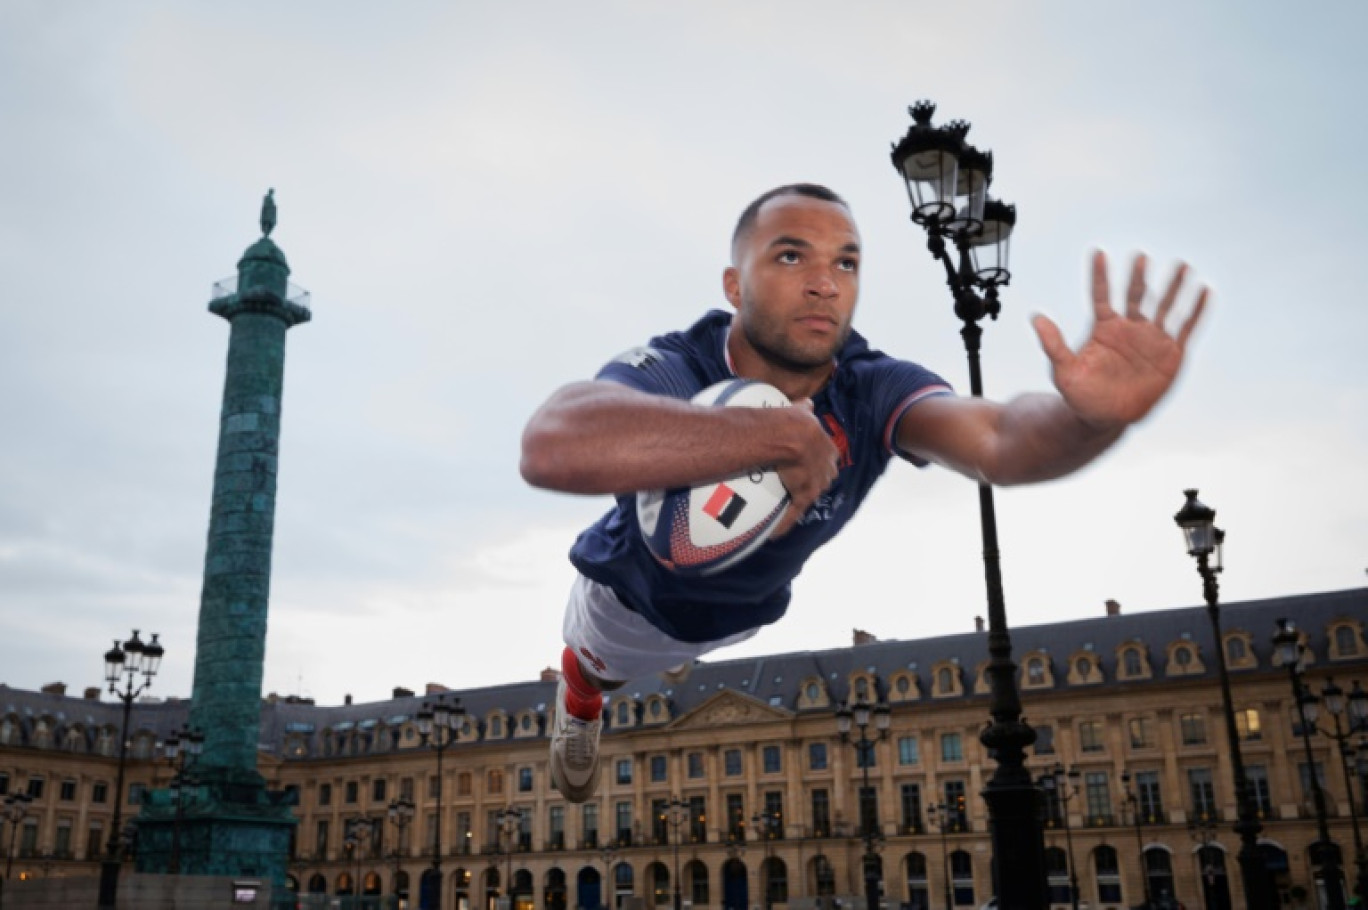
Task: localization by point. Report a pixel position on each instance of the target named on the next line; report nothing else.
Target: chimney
(346, 699)
(56, 688)
(861, 637)
(978, 623)
(435, 689)
(1113, 608)
(401, 692)
(92, 693)
(550, 674)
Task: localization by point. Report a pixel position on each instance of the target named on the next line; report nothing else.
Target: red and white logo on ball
(724, 505)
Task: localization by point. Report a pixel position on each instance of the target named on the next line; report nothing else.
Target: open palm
(1128, 362)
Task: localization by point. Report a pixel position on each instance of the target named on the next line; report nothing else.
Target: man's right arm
(604, 437)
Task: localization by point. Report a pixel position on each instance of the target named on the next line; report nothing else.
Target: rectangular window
(62, 844)
(1151, 804)
(1044, 744)
(952, 747)
(1098, 794)
(817, 756)
(908, 751)
(137, 791)
(1090, 736)
(1247, 724)
(770, 756)
(67, 792)
(325, 794)
(695, 763)
(957, 804)
(624, 770)
(821, 813)
(774, 810)
(1304, 775)
(406, 787)
(94, 841)
(731, 762)
(660, 821)
(556, 822)
(1141, 732)
(1256, 778)
(378, 788)
(35, 788)
(4, 783)
(1203, 793)
(657, 768)
(736, 816)
(624, 823)
(698, 820)
(99, 792)
(352, 791)
(1192, 727)
(524, 780)
(869, 810)
(493, 781)
(911, 809)
(589, 827)
(866, 756)
(464, 834)
(321, 839)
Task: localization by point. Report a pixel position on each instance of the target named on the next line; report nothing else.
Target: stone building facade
(773, 806)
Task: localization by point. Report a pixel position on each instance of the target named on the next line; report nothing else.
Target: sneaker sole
(571, 792)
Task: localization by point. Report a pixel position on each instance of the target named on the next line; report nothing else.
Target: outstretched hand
(1128, 362)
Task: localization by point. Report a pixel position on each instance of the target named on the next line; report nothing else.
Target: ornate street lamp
(1060, 787)
(1324, 852)
(182, 749)
(677, 813)
(1203, 538)
(766, 823)
(947, 182)
(359, 831)
(861, 712)
(400, 812)
(439, 723)
(15, 810)
(510, 821)
(1133, 801)
(1350, 714)
(123, 665)
(607, 853)
(942, 817)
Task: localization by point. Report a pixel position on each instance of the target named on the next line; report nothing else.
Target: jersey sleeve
(652, 369)
(897, 387)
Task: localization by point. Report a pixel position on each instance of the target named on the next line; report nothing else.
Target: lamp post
(1133, 801)
(438, 725)
(1203, 538)
(510, 820)
(182, 749)
(1324, 852)
(1060, 787)
(14, 811)
(940, 816)
(766, 822)
(947, 184)
(123, 665)
(1202, 830)
(677, 813)
(607, 853)
(359, 831)
(1350, 715)
(860, 713)
(400, 812)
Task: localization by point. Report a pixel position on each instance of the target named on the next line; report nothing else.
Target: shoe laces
(579, 742)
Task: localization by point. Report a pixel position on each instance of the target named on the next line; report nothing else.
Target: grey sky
(488, 200)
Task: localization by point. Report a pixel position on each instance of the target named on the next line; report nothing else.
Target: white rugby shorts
(618, 645)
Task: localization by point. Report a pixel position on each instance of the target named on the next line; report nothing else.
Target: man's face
(794, 281)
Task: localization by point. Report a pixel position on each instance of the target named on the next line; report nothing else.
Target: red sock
(582, 700)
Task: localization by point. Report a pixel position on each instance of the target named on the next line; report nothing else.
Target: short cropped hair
(752, 211)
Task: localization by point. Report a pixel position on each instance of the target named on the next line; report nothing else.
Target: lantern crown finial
(922, 112)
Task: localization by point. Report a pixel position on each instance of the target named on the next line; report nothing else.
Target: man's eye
(788, 256)
(850, 265)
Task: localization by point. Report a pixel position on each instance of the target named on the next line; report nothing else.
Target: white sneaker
(574, 752)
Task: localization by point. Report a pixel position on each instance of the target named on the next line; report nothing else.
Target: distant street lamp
(1324, 852)
(182, 749)
(15, 810)
(1060, 787)
(359, 831)
(510, 820)
(607, 853)
(123, 665)
(860, 712)
(1133, 801)
(1198, 524)
(767, 822)
(439, 723)
(1350, 715)
(400, 812)
(677, 813)
(941, 816)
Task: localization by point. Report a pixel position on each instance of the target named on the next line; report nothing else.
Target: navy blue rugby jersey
(859, 407)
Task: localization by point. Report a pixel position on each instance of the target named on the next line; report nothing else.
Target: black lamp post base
(1015, 814)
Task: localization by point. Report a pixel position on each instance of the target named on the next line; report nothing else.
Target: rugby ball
(704, 529)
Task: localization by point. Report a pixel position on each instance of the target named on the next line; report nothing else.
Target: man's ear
(731, 285)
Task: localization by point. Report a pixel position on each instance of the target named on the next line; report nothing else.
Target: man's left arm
(1127, 364)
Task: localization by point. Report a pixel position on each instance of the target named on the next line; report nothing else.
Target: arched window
(496, 727)
(776, 880)
(318, 884)
(1108, 875)
(1346, 642)
(1131, 662)
(660, 882)
(696, 880)
(825, 875)
(1035, 671)
(1159, 871)
(962, 877)
(1235, 650)
(945, 681)
(1083, 667)
(1182, 657)
(624, 713)
(918, 886)
(861, 688)
(622, 878)
(1057, 875)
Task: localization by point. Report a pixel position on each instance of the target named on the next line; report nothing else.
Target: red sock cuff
(582, 699)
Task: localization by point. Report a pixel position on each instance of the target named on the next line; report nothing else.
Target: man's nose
(821, 284)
